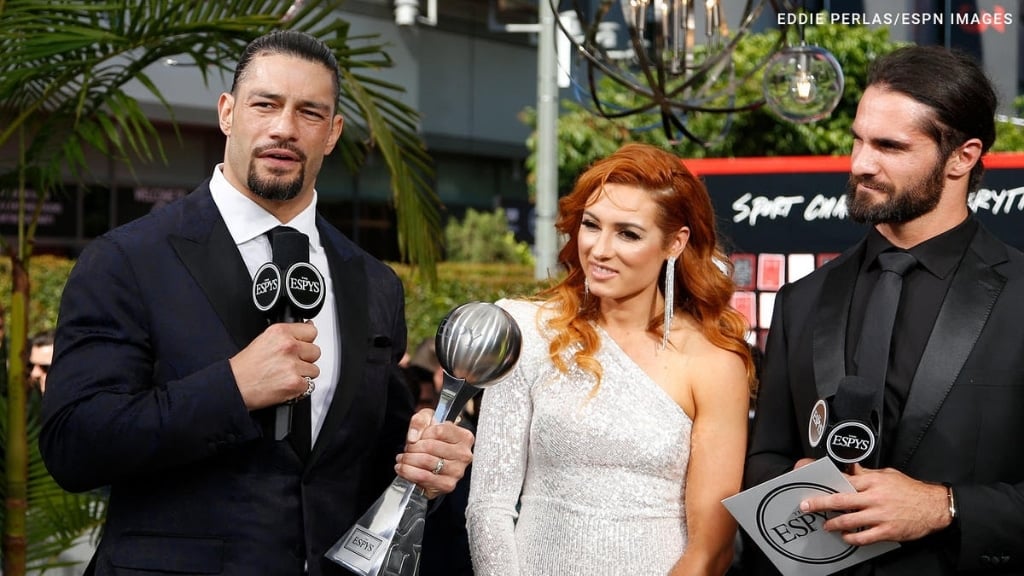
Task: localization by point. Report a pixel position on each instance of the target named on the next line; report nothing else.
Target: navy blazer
(141, 397)
(963, 419)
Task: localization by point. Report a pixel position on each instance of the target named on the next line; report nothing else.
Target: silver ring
(310, 386)
(439, 466)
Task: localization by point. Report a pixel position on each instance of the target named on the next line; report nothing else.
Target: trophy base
(370, 553)
(403, 557)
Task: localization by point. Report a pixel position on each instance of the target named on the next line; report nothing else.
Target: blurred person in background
(39, 358)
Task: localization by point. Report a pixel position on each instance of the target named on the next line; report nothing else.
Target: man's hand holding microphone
(278, 367)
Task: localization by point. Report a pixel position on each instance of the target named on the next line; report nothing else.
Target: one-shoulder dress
(568, 482)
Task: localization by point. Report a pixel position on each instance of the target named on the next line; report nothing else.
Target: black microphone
(302, 283)
(848, 424)
(289, 289)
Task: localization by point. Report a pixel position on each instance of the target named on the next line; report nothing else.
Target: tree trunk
(14, 540)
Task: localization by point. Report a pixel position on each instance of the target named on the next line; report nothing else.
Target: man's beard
(897, 207)
(275, 188)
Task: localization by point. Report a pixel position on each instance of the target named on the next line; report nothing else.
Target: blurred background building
(467, 77)
(470, 68)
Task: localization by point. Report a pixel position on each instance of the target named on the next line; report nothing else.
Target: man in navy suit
(166, 379)
(949, 486)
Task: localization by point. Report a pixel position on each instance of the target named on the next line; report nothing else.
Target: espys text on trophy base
(477, 343)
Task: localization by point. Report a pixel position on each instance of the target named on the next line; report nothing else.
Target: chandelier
(675, 58)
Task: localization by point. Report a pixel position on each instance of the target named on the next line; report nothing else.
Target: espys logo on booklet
(794, 540)
(781, 524)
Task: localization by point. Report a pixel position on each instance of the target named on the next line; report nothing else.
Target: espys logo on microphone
(850, 441)
(266, 287)
(799, 535)
(305, 286)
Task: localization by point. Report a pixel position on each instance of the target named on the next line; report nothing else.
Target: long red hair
(703, 280)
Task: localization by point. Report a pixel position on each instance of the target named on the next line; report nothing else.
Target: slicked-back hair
(954, 86)
(289, 43)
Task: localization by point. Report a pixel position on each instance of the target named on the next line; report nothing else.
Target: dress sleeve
(499, 463)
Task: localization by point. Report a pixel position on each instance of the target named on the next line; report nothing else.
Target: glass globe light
(803, 83)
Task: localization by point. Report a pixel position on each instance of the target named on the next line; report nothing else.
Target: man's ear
(337, 124)
(225, 108)
(963, 159)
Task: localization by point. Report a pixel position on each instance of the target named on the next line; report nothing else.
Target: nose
(862, 160)
(284, 125)
(602, 247)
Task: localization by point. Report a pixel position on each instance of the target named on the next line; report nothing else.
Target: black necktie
(290, 246)
(861, 398)
(872, 356)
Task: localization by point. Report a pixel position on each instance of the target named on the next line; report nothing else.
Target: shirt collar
(939, 255)
(247, 220)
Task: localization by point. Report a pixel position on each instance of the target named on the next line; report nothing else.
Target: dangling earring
(586, 289)
(670, 285)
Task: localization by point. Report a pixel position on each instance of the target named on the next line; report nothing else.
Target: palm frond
(69, 63)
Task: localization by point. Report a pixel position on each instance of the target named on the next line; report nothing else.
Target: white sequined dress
(564, 484)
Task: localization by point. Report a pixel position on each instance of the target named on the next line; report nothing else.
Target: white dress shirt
(248, 224)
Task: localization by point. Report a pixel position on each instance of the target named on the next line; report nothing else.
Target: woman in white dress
(608, 449)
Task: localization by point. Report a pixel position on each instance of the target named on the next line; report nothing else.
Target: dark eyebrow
(326, 108)
(302, 104)
(618, 225)
(889, 143)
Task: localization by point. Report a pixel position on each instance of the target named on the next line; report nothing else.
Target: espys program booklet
(793, 540)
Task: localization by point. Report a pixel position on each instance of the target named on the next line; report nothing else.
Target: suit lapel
(218, 268)
(221, 274)
(348, 276)
(208, 251)
(964, 312)
(833, 313)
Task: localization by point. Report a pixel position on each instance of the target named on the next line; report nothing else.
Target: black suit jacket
(140, 397)
(963, 420)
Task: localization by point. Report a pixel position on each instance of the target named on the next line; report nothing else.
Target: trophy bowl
(478, 342)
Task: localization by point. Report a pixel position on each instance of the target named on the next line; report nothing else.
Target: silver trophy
(477, 343)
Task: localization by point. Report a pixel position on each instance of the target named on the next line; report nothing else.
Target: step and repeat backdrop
(780, 218)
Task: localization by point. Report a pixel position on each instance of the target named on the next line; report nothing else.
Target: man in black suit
(166, 379)
(950, 483)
